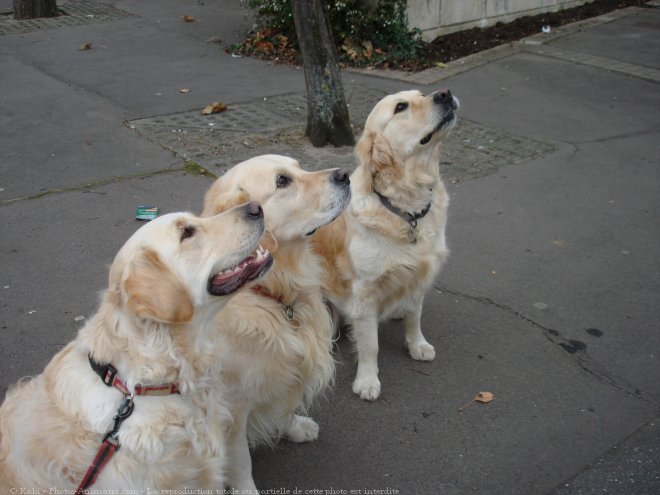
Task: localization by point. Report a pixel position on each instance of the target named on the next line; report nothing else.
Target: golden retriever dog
(276, 339)
(135, 380)
(384, 252)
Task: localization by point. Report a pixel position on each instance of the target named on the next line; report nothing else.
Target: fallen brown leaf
(483, 397)
(264, 46)
(188, 18)
(215, 107)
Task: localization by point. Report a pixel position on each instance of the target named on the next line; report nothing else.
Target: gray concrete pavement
(550, 297)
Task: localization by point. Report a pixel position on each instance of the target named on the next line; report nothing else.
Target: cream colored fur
(273, 368)
(151, 326)
(377, 265)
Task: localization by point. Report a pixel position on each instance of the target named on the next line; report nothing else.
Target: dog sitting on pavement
(137, 375)
(276, 338)
(384, 252)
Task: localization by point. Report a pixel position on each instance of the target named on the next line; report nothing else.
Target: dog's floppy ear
(375, 152)
(151, 290)
(216, 201)
(364, 147)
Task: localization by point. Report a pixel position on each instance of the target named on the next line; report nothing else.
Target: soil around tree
(270, 45)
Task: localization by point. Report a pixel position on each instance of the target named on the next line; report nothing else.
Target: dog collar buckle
(107, 372)
(109, 375)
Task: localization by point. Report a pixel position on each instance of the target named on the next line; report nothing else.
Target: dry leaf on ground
(483, 397)
(188, 18)
(215, 107)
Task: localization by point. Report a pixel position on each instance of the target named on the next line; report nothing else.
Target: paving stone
(276, 125)
(72, 14)
(596, 61)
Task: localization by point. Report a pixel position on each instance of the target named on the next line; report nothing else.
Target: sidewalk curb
(528, 44)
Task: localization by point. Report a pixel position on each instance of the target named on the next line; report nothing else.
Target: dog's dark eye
(282, 181)
(400, 107)
(187, 232)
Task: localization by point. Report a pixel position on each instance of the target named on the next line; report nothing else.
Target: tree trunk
(30, 9)
(327, 113)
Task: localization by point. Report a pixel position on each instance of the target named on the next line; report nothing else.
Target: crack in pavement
(90, 186)
(575, 349)
(616, 137)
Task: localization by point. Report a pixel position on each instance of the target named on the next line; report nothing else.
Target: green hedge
(364, 31)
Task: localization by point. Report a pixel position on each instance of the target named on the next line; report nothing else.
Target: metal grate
(276, 125)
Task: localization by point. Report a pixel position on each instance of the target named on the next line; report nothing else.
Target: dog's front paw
(302, 429)
(422, 351)
(368, 388)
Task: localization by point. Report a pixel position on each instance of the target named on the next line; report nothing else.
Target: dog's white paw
(302, 429)
(368, 388)
(422, 351)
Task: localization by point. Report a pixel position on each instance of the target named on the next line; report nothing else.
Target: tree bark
(327, 113)
(30, 9)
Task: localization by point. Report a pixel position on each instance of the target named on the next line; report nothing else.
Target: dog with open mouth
(127, 404)
(383, 254)
(276, 338)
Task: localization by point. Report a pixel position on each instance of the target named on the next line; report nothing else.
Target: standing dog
(144, 358)
(275, 339)
(384, 252)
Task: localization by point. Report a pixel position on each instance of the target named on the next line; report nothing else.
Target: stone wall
(436, 17)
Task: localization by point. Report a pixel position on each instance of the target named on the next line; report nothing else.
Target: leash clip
(124, 411)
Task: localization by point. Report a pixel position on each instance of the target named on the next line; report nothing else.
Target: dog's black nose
(340, 176)
(443, 97)
(254, 211)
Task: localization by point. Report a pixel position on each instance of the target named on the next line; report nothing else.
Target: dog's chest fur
(270, 363)
(169, 441)
(396, 263)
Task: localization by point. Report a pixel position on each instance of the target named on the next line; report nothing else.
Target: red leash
(110, 444)
(102, 457)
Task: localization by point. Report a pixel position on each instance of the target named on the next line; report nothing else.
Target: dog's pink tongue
(231, 280)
